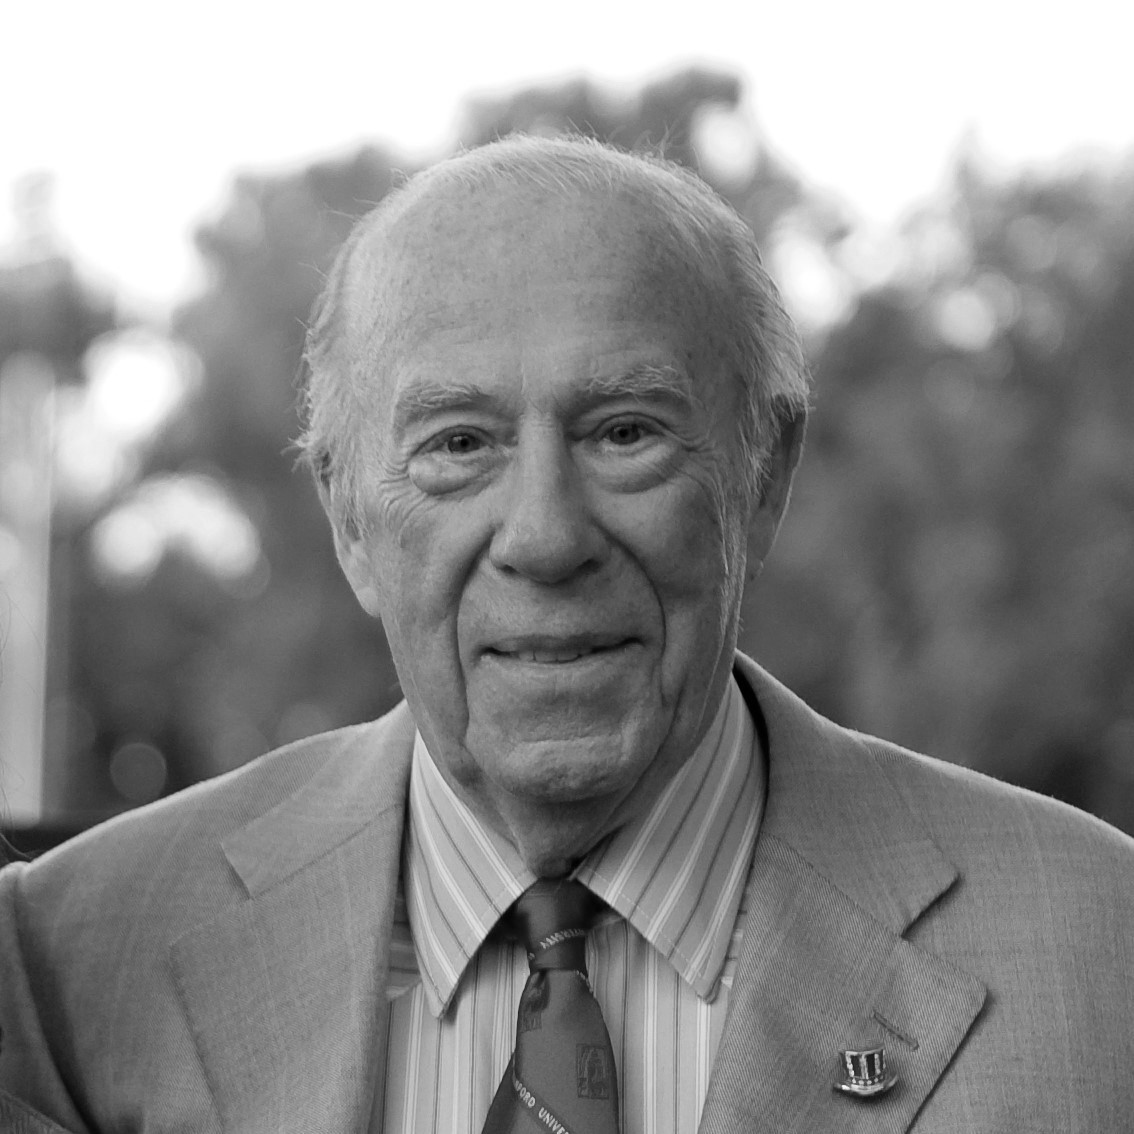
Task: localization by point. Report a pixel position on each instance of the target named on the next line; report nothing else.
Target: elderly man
(554, 408)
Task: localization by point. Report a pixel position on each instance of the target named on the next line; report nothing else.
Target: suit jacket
(217, 961)
(19, 1118)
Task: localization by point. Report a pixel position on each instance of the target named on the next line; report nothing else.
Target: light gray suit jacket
(217, 961)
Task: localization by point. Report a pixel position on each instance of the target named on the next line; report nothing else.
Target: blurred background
(946, 196)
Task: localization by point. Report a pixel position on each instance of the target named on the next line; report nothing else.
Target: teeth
(551, 656)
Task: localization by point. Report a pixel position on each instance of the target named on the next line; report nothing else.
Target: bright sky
(145, 111)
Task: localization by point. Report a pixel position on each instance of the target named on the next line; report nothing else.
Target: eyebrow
(643, 382)
(425, 398)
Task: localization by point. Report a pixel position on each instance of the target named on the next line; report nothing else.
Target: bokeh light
(138, 771)
(191, 514)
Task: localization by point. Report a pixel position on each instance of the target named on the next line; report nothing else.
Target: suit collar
(284, 991)
(840, 810)
(841, 871)
(831, 799)
(340, 800)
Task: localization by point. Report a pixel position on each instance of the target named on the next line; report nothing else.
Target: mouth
(555, 651)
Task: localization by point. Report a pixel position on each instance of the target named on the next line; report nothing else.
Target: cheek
(688, 548)
(423, 555)
(681, 536)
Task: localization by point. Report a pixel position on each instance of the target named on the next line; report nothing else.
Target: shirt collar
(676, 872)
(460, 877)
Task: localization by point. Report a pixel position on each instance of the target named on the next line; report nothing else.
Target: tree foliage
(955, 570)
(956, 573)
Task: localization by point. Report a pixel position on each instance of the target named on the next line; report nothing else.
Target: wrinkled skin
(555, 534)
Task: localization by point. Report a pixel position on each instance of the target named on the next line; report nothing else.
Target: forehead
(497, 262)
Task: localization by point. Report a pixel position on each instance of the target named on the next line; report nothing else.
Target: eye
(454, 459)
(458, 444)
(625, 433)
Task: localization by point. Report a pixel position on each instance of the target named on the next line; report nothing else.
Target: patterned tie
(561, 1076)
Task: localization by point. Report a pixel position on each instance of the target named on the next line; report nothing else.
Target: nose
(546, 531)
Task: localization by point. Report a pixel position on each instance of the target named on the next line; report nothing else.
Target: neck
(552, 838)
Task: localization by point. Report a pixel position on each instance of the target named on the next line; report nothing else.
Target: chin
(551, 772)
(569, 791)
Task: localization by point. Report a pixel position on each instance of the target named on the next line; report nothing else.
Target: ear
(353, 553)
(771, 503)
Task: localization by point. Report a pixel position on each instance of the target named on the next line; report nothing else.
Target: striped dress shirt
(661, 960)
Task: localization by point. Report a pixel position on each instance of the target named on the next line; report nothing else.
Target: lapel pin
(863, 1073)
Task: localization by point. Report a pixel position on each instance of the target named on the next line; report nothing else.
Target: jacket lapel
(840, 872)
(285, 991)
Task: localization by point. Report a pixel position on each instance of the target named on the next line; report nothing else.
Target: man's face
(555, 536)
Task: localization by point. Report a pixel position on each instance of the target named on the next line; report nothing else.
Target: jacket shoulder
(968, 811)
(1043, 902)
(974, 818)
(87, 932)
(181, 835)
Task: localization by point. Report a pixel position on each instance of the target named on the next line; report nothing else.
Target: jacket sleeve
(33, 1095)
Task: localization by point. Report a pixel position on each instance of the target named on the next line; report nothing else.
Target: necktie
(561, 1076)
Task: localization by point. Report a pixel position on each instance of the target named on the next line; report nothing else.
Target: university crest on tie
(532, 1003)
(593, 1071)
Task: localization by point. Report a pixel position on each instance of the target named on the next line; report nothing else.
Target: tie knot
(551, 918)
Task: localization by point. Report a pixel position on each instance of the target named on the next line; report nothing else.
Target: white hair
(711, 242)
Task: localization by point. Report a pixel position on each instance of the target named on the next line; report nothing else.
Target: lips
(545, 650)
(552, 657)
